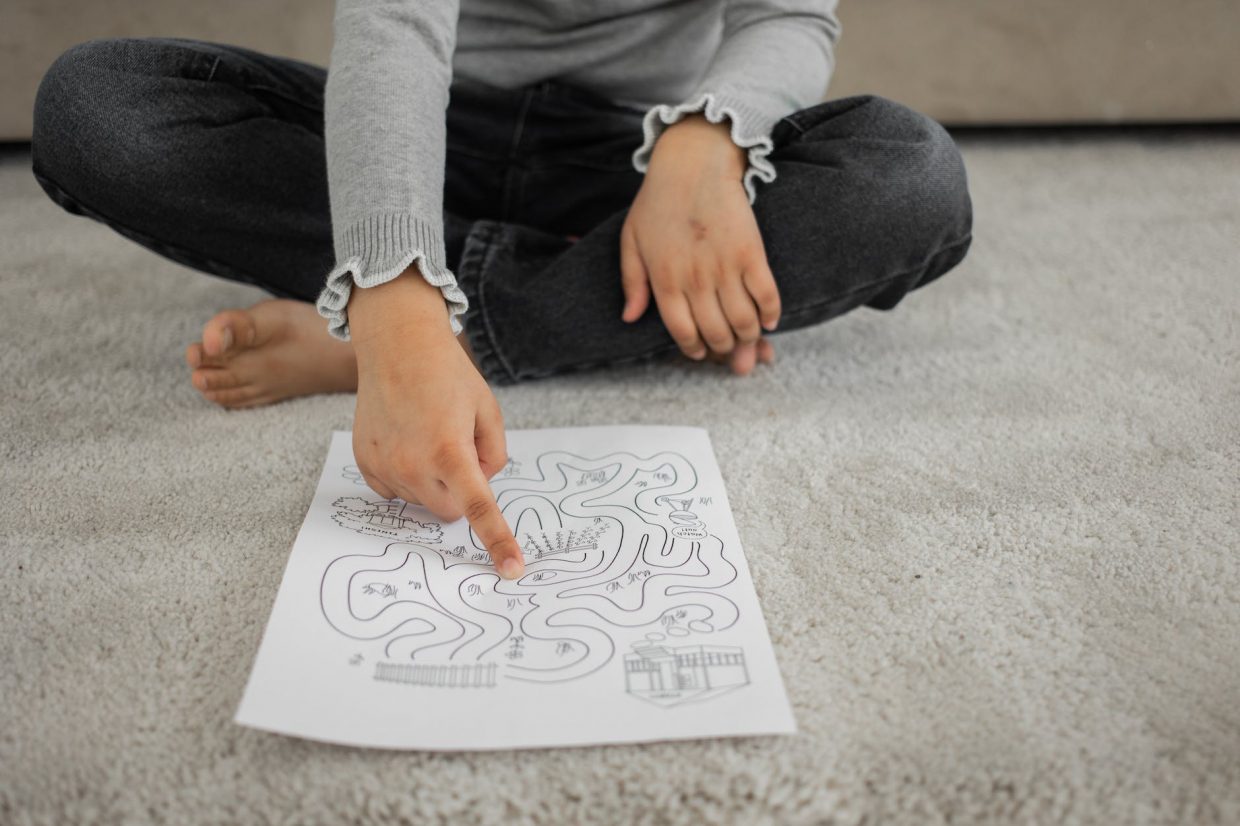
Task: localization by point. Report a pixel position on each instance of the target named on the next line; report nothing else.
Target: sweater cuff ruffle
(746, 133)
(377, 249)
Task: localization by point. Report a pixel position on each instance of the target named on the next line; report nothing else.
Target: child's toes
(193, 355)
(766, 351)
(234, 397)
(743, 359)
(196, 357)
(228, 330)
(213, 378)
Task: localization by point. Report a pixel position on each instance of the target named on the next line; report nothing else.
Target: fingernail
(227, 338)
(511, 568)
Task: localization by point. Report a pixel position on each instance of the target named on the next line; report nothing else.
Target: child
(480, 170)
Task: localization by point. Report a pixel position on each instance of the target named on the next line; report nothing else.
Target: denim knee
(930, 179)
(929, 190)
(97, 114)
(886, 159)
(70, 119)
(870, 201)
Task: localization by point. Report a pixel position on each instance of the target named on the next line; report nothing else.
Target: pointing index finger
(468, 486)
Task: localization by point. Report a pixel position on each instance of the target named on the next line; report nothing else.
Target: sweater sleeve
(776, 57)
(384, 121)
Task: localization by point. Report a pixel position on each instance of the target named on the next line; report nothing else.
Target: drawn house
(668, 676)
(390, 515)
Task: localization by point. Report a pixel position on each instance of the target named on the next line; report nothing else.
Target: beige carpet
(995, 533)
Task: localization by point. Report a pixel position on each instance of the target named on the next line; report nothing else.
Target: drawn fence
(474, 675)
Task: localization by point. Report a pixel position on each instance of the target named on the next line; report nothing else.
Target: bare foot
(743, 358)
(275, 350)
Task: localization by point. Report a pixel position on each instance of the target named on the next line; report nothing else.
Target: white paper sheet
(636, 619)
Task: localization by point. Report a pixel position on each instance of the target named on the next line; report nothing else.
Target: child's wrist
(406, 306)
(696, 141)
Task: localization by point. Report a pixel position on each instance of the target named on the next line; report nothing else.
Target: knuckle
(748, 330)
(492, 461)
(477, 507)
(687, 340)
(714, 333)
(698, 282)
(660, 295)
(446, 455)
(663, 284)
(762, 288)
(749, 252)
(679, 328)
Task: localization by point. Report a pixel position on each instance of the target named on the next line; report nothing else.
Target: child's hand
(692, 240)
(428, 428)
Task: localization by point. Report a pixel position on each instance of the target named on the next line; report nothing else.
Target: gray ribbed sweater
(748, 61)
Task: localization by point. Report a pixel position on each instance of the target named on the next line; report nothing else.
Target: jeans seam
(249, 86)
(215, 65)
(485, 232)
(788, 119)
(493, 246)
(514, 158)
(258, 87)
(474, 154)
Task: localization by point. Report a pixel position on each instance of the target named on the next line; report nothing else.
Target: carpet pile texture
(995, 533)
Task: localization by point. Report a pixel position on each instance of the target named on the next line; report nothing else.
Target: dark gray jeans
(213, 156)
